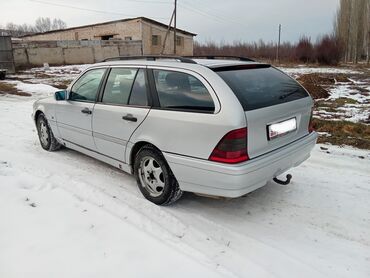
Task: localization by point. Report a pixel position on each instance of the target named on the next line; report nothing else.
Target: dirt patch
(6, 88)
(312, 82)
(342, 78)
(343, 133)
(344, 100)
(63, 84)
(42, 75)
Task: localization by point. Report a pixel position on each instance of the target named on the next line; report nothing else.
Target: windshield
(261, 87)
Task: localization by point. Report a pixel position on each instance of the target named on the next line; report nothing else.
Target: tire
(46, 136)
(155, 178)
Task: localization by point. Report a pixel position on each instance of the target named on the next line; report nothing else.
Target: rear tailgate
(259, 120)
(277, 108)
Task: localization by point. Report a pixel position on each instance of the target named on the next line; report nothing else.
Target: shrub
(328, 50)
(304, 50)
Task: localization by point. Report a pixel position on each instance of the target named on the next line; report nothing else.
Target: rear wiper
(290, 93)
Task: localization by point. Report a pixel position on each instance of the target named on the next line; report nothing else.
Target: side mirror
(60, 95)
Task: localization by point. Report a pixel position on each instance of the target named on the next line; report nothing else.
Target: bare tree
(352, 28)
(58, 24)
(43, 24)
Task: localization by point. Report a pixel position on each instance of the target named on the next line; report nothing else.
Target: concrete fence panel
(39, 56)
(20, 57)
(36, 53)
(78, 55)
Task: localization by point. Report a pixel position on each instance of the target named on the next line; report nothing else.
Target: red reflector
(232, 148)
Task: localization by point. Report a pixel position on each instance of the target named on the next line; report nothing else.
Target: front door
(74, 116)
(122, 108)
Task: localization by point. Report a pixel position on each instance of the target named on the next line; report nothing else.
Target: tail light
(232, 148)
(310, 125)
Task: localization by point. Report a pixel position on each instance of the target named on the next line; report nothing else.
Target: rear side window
(261, 87)
(119, 84)
(138, 94)
(177, 90)
(126, 86)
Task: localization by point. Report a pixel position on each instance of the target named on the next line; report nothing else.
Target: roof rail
(150, 58)
(212, 57)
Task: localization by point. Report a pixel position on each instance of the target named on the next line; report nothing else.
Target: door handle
(129, 117)
(86, 111)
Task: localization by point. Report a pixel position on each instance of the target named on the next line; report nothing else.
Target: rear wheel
(46, 136)
(155, 178)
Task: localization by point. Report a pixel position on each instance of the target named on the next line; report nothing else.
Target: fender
(47, 107)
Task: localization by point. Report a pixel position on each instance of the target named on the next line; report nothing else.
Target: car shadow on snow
(265, 198)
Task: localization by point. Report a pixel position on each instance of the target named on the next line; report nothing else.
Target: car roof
(172, 62)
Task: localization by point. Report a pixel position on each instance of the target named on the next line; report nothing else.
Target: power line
(207, 9)
(217, 12)
(96, 11)
(148, 1)
(217, 18)
(199, 12)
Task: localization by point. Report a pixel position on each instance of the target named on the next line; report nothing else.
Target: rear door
(277, 108)
(121, 108)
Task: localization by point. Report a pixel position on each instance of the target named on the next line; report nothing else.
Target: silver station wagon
(213, 126)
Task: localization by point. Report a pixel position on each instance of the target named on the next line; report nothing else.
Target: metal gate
(6, 54)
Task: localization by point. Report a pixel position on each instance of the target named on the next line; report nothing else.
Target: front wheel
(155, 178)
(46, 136)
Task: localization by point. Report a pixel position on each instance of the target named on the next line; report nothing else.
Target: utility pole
(167, 33)
(174, 30)
(278, 46)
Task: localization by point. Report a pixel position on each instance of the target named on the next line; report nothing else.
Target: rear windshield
(261, 87)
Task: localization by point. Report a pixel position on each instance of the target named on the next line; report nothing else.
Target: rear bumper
(211, 178)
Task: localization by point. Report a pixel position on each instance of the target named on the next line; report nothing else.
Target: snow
(57, 223)
(356, 89)
(345, 91)
(61, 69)
(297, 71)
(64, 214)
(34, 89)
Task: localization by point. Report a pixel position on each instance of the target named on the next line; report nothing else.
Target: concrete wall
(36, 53)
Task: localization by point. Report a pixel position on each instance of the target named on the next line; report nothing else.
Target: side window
(86, 88)
(119, 84)
(139, 94)
(179, 90)
(156, 39)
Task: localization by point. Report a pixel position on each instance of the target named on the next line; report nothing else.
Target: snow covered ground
(303, 69)
(356, 91)
(64, 214)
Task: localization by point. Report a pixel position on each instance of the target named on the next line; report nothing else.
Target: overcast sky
(217, 20)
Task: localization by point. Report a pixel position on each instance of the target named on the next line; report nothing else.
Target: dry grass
(344, 133)
(6, 88)
(332, 106)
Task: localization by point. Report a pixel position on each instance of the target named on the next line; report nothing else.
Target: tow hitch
(287, 181)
